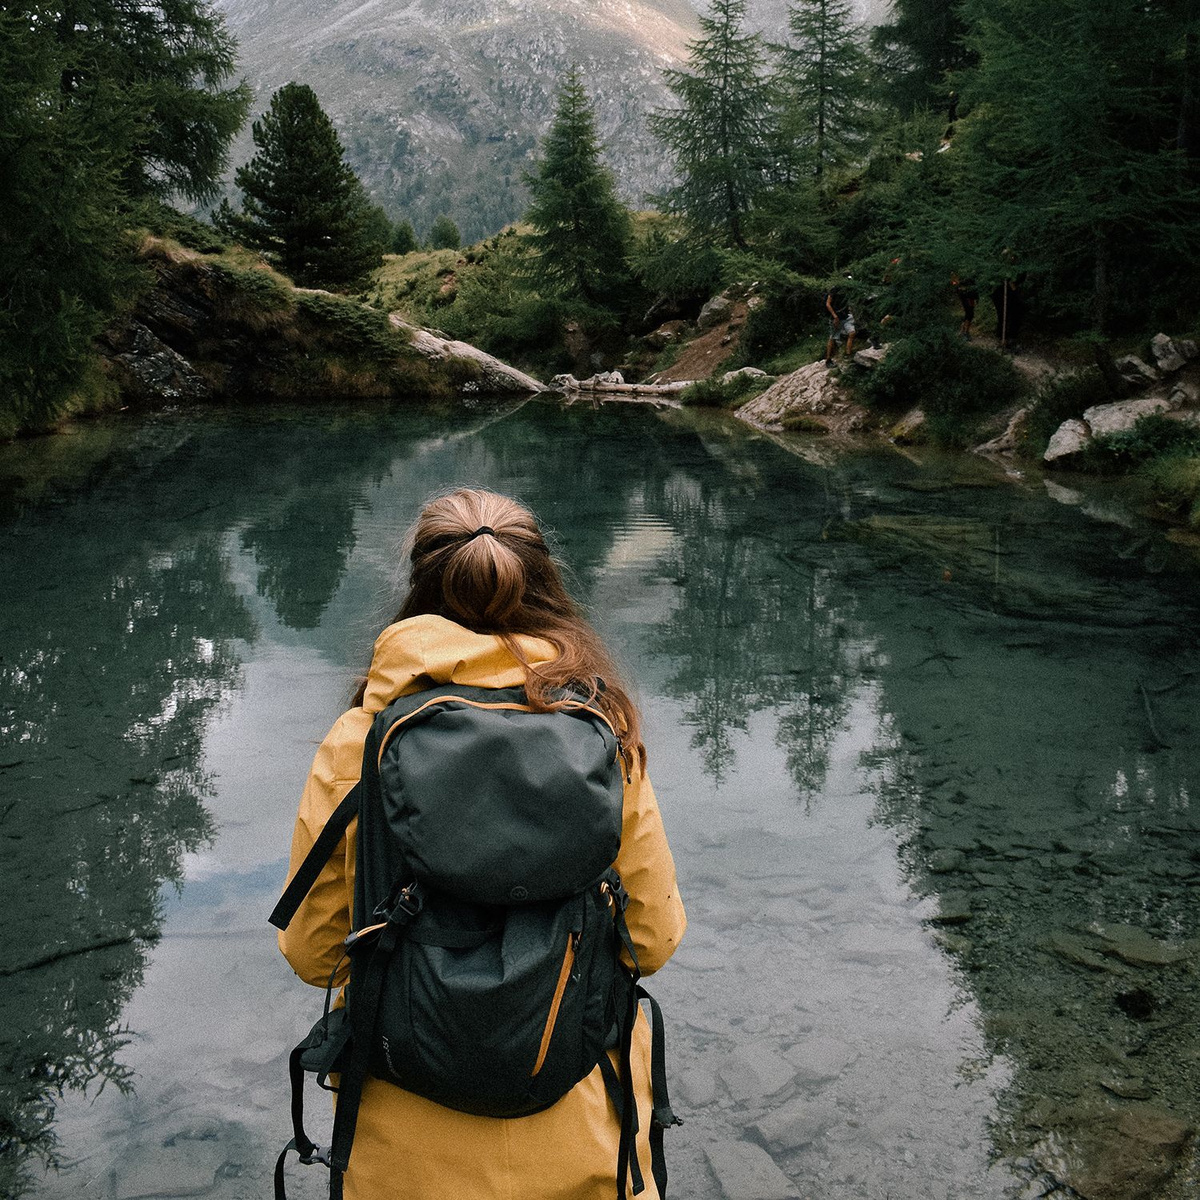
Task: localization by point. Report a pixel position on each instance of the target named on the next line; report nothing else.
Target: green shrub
(1061, 398)
(252, 289)
(957, 384)
(712, 393)
(164, 221)
(784, 317)
(1153, 436)
(803, 423)
(1174, 479)
(355, 331)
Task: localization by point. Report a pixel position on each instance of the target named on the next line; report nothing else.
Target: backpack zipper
(564, 974)
(577, 705)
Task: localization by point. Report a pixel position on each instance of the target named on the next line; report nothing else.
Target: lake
(923, 734)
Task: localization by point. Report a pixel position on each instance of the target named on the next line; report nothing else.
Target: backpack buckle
(401, 906)
(318, 1154)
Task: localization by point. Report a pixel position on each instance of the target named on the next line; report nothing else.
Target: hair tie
(482, 529)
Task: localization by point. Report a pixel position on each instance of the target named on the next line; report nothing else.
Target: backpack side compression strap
(322, 851)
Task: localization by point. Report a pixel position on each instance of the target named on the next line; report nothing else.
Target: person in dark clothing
(841, 321)
(968, 297)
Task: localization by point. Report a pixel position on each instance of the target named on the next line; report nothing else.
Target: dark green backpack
(485, 962)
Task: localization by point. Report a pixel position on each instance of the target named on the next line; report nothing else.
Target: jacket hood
(424, 651)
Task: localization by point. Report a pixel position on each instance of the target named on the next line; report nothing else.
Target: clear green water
(923, 737)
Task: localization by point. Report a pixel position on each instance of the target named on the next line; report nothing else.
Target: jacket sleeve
(655, 915)
(312, 943)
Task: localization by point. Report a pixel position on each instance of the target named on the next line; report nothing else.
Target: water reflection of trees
(119, 626)
(758, 626)
(112, 658)
(1047, 805)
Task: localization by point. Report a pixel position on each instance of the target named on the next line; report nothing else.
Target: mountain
(440, 103)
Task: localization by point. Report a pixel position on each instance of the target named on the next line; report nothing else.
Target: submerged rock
(794, 1125)
(755, 1071)
(747, 1172)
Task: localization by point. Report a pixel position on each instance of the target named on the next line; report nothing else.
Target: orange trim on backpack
(563, 975)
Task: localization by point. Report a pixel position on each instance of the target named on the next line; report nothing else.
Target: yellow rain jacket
(406, 1146)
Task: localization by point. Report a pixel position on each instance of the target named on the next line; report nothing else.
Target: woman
(486, 607)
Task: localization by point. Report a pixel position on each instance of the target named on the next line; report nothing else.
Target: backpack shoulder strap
(321, 852)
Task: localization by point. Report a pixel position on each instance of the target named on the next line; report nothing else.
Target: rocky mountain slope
(440, 103)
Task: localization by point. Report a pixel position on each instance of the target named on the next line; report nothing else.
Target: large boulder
(1167, 355)
(1135, 372)
(870, 357)
(908, 427)
(1069, 439)
(1117, 417)
(494, 375)
(744, 373)
(812, 393)
(718, 309)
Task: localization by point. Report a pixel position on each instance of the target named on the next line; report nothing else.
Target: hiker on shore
(841, 321)
(486, 608)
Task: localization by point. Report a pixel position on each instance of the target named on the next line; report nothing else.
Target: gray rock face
(1069, 438)
(1136, 372)
(744, 373)
(495, 376)
(1103, 419)
(870, 357)
(810, 392)
(440, 105)
(714, 312)
(149, 370)
(747, 1172)
(1167, 355)
(1008, 441)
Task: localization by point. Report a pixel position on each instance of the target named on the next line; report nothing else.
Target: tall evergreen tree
(719, 134)
(100, 102)
(1067, 167)
(919, 49)
(581, 230)
(824, 83)
(302, 205)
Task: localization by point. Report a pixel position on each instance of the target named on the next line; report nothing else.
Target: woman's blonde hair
(479, 558)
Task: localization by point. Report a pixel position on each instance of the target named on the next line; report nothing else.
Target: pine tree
(404, 238)
(581, 230)
(1067, 168)
(100, 103)
(823, 80)
(444, 234)
(302, 205)
(919, 49)
(719, 133)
